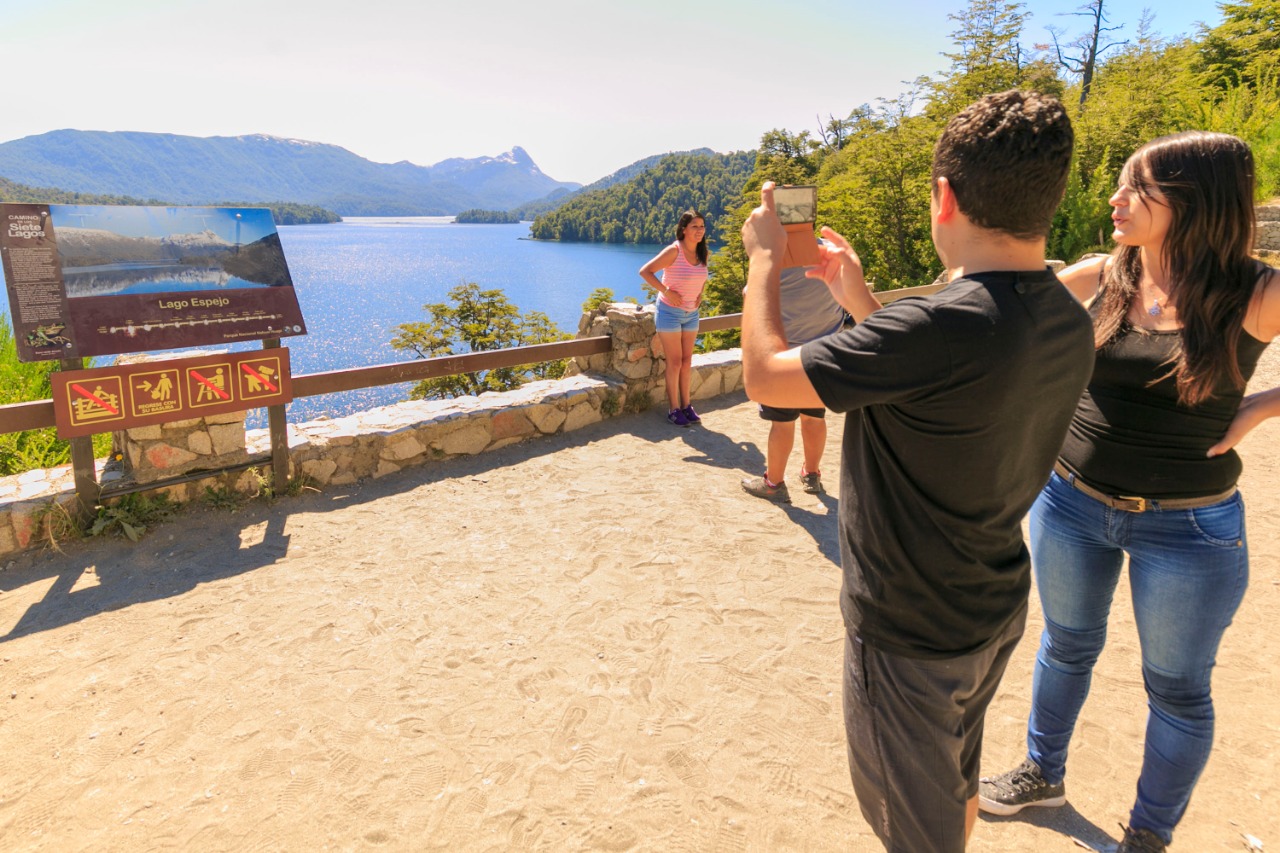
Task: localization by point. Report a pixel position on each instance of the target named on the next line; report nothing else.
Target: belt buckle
(1141, 504)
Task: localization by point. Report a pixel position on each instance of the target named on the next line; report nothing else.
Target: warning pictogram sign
(130, 395)
(95, 401)
(259, 377)
(156, 392)
(207, 384)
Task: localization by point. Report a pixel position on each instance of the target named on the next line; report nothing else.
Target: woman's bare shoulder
(1084, 277)
(663, 259)
(1263, 320)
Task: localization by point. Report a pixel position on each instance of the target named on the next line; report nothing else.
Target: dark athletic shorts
(914, 728)
(769, 413)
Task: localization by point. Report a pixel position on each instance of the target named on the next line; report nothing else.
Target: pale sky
(585, 87)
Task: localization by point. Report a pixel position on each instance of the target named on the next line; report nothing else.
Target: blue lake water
(358, 279)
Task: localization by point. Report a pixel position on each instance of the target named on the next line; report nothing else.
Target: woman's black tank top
(1129, 437)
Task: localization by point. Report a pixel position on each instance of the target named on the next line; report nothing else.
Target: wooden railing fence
(19, 417)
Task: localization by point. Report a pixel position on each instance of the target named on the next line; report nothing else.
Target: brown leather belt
(1129, 504)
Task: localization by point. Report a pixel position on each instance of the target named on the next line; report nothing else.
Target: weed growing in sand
(264, 483)
(640, 401)
(131, 515)
(609, 405)
(299, 484)
(223, 498)
(56, 524)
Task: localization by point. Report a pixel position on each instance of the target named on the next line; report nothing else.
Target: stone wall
(1268, 236)
(377, 442)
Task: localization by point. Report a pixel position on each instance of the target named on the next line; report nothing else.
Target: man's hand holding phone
(762, 232)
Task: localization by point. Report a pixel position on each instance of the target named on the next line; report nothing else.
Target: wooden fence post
(278, 426)
(82, 465)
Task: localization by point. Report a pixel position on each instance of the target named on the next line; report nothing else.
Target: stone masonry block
(165, 456)
(8, 541)
(547, 418)
(319, 470)
(581, 415)
(469, 440)
(402, 447)
(25, 520)
(200, 442)
(144, 433)
(227, 438)
(636, 369)
(511, 423)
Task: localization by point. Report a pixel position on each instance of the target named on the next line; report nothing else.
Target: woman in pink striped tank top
(684, 274)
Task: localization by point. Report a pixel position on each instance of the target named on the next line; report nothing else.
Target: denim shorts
(670, 319)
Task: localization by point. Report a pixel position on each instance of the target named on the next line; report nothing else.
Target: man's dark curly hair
(1006, 157)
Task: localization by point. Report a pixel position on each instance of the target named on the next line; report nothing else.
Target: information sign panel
(87, 280)
(131, 395)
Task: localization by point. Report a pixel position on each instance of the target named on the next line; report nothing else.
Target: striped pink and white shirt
(684, 280)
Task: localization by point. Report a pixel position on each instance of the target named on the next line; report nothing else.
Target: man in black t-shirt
(957, 406)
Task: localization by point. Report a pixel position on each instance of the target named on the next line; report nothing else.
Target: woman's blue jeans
(1188, 569)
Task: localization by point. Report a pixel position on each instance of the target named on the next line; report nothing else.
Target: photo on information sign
(116, 279)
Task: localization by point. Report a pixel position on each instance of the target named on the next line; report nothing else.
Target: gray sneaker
(1141, 841)
(811, 483)
(758, 487)
(1012, 792)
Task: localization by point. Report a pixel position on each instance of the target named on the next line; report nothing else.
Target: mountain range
(260, 168)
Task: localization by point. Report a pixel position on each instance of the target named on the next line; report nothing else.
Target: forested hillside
(534, 209)
(1123, 87)
(646, 208)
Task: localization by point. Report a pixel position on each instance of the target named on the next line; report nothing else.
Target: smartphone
(796, 204)
(798, 209)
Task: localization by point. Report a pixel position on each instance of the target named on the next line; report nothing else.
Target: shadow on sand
(200, 544)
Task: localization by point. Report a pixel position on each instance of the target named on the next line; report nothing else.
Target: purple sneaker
(676, 416)
(690, 415)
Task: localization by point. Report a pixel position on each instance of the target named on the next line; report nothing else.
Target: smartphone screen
(796, 204)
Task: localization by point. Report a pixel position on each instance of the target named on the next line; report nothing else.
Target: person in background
(809, 312)
(684, 275)
(1181, 314)
(957, 404)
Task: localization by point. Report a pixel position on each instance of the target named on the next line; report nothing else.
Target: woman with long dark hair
(684, 263)
(1182, 313)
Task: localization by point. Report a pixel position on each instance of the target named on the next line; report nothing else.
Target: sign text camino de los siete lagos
(86, 280)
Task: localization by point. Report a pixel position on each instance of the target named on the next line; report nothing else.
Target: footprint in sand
(524, 834)
(581, 719)
(297, 794)
(427, 782)
(688, 768)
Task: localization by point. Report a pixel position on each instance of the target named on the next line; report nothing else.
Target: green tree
(24, 382)
(784, 158)
(876, 193)
(476, 320)
(1243, 47)
(602, 296)
(645, 208)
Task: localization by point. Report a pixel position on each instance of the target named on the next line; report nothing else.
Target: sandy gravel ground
(591, 642)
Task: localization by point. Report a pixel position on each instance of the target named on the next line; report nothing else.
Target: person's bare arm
(772, 373)
(1084, 279)
(1263, 322)
(660, 261)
